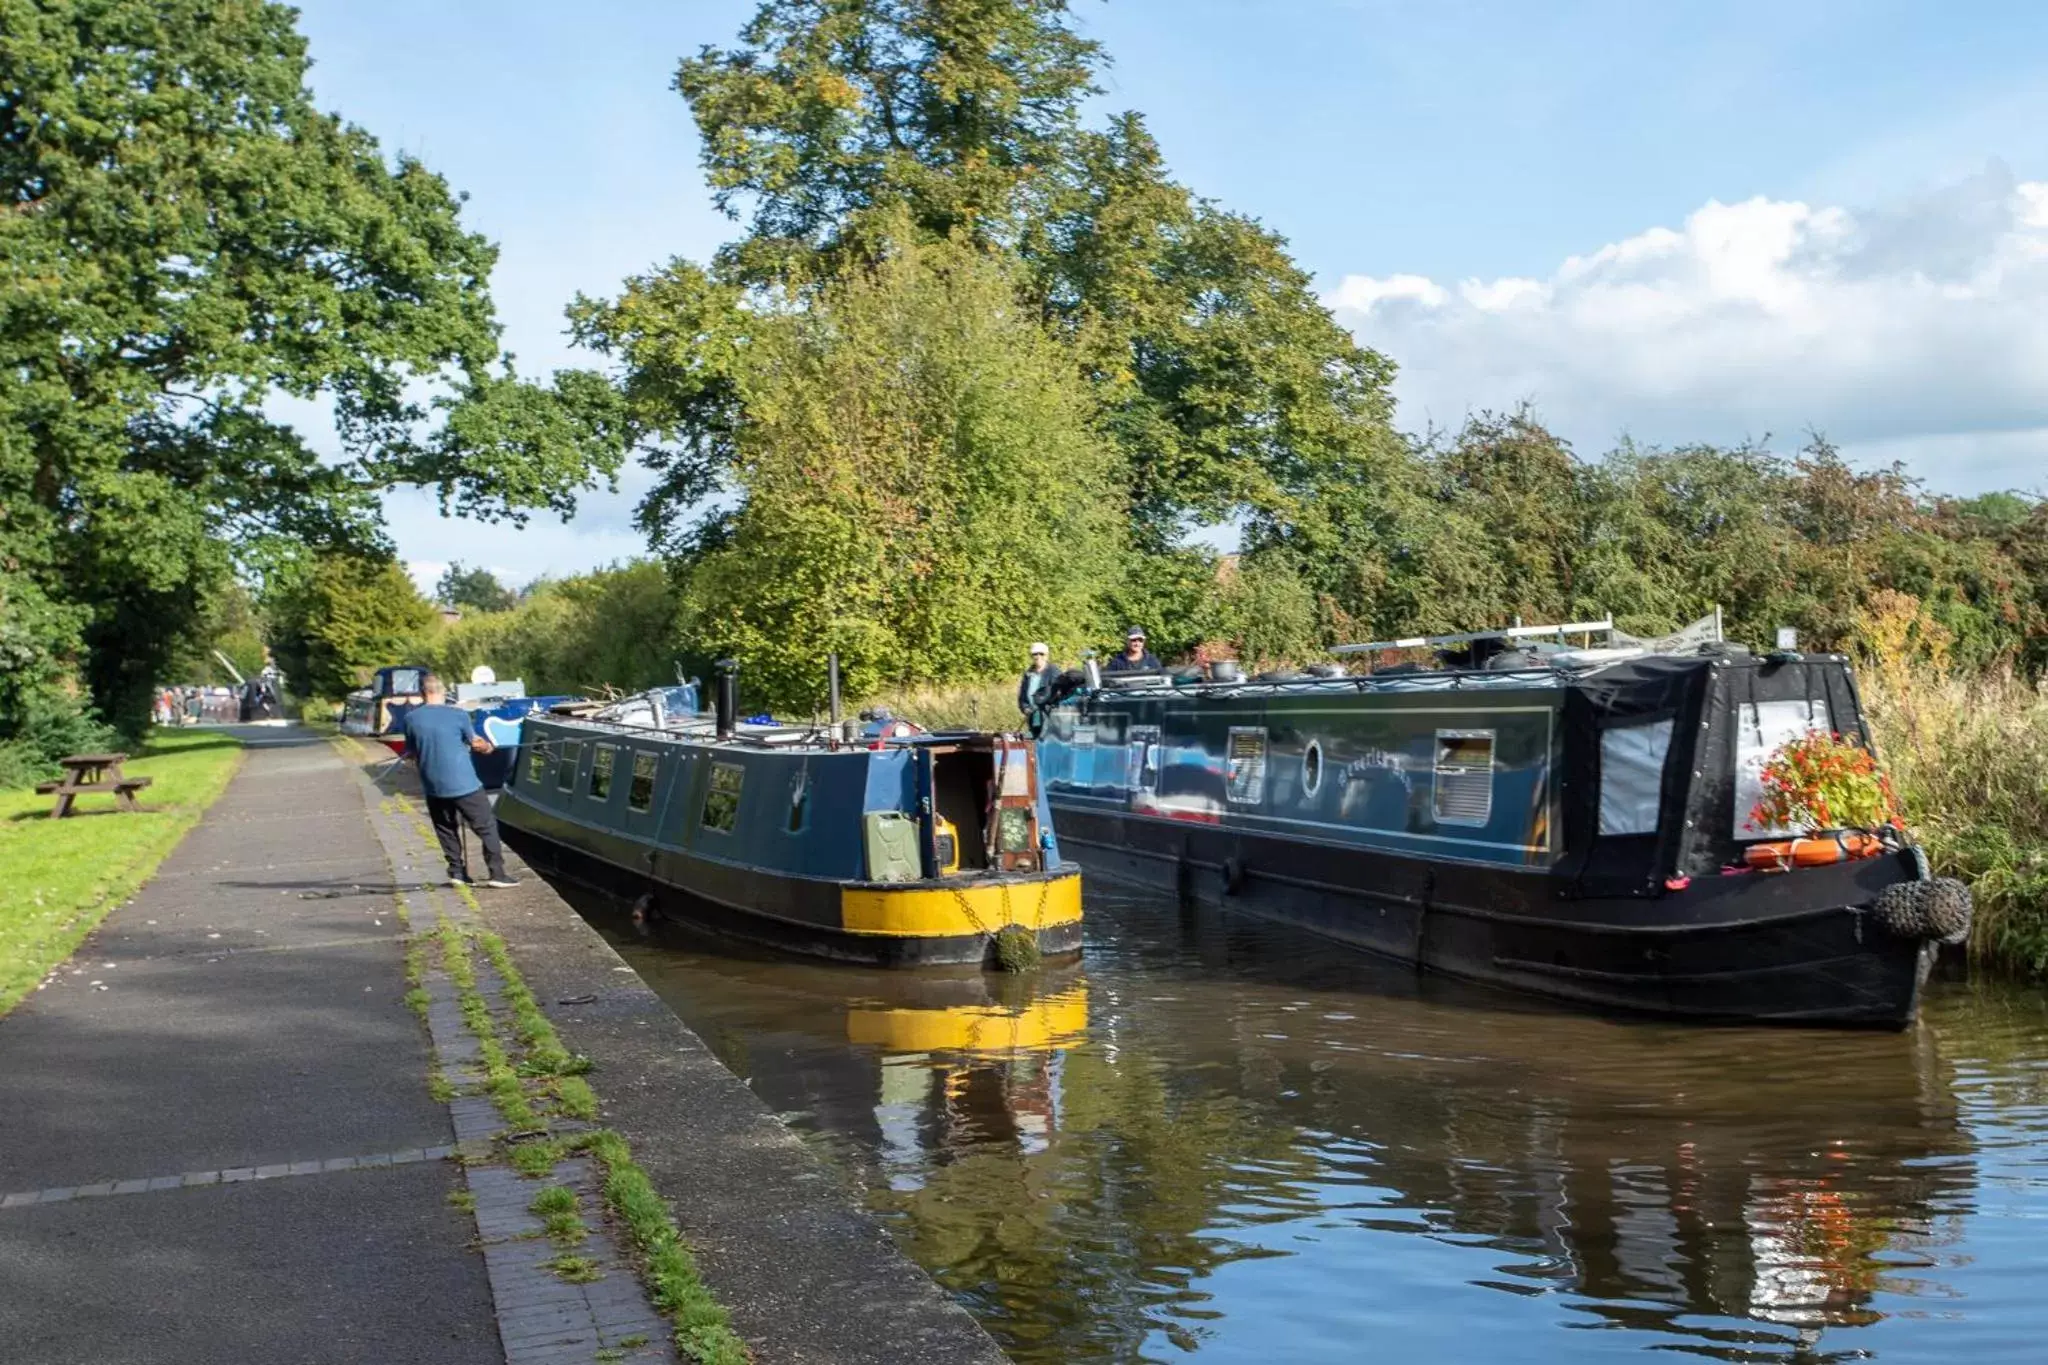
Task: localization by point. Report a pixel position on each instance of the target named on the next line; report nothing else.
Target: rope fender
(1938, 908)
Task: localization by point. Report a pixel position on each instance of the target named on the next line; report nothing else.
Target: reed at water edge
(1969, 756)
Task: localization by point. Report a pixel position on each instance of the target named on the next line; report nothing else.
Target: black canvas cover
(1638, 692)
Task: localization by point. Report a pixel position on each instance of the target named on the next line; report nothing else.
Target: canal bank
(224, 1134)
(778, 1236)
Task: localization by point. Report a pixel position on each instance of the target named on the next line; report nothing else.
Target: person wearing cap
(1135, 656)
(1039, 676)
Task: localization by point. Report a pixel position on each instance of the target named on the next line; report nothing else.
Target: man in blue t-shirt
(439, 738)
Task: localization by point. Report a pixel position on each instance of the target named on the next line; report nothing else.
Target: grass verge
(61, 877)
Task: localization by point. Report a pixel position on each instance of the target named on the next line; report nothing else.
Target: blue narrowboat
(377, 711)
(1564, 820)
(897, 849)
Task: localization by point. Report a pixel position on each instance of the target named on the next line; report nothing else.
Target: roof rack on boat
(1688, 639)
(1515, 632)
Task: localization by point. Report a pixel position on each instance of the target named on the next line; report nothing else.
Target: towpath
(218, 1143)
(236, 1018)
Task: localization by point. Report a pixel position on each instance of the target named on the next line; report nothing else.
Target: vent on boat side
(1464, 777)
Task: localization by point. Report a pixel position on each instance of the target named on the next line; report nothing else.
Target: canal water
(1217, 1140)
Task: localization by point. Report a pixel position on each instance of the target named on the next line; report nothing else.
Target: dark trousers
(447, 814)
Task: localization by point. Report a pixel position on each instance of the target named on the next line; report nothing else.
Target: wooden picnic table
(89, 774)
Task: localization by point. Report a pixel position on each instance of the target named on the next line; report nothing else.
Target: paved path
(217, 1142)
(235, 1040)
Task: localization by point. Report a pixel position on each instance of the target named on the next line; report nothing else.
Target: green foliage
(919, 478)
(228, 621)
(828, 111)
(1224, 383)
(612, 628)
(1268, 611)
(344, 616)
(1968, 754)
(188, 237)
(473, 589)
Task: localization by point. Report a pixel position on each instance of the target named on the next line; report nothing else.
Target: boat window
(536, 764)
(601, 771)
(640, 795)
(1312, 768)
(1464, 777)
(404, 682)
(1245, 772)
(1632, 776)
(722, 802)
(565, 771)
(1760, 728)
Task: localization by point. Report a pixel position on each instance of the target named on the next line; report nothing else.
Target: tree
(473, 589)
(949, 110)
(343, 616)
(916, 480)
(230, 623)
(1228, 387)
(184, 236)
(614, 628)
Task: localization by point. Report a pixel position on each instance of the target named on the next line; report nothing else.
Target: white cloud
(1916, 330)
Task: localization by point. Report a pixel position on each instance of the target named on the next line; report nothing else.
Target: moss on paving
(547, 1072)
(61, 877)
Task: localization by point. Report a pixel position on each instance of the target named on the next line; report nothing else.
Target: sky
(1666, 223)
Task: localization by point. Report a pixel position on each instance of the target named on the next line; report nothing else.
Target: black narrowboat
(895, 848)
(1566, 821)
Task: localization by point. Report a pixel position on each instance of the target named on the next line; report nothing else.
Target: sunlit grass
(1969, 755)
(58, 878)
(965, 706)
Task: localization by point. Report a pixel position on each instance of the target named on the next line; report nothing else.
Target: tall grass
(964, 706)
(1969, 755)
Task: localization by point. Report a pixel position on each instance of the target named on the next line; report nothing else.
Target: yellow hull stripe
(926, 911)
(1058, 1022)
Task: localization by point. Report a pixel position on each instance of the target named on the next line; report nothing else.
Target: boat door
(927, 812)
(1013, 817)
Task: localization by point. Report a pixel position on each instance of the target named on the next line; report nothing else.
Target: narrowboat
(1570, 821)
(895, 848)
(498, 710)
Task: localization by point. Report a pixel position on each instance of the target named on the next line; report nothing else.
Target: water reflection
(1230, 1139)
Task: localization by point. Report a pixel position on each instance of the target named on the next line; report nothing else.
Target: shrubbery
(1968, 754)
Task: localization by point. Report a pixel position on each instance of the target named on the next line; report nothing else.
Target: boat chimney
(727, 696)
(832, 675)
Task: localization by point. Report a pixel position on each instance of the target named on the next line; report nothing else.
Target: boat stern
(956, 920)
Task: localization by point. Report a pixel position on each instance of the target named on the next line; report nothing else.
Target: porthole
(1312, 768)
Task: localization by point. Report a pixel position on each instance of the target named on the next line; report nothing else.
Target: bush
(46, 734)
(611, 628)
(1969, 757)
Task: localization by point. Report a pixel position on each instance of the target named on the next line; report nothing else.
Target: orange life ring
(1780, 855)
